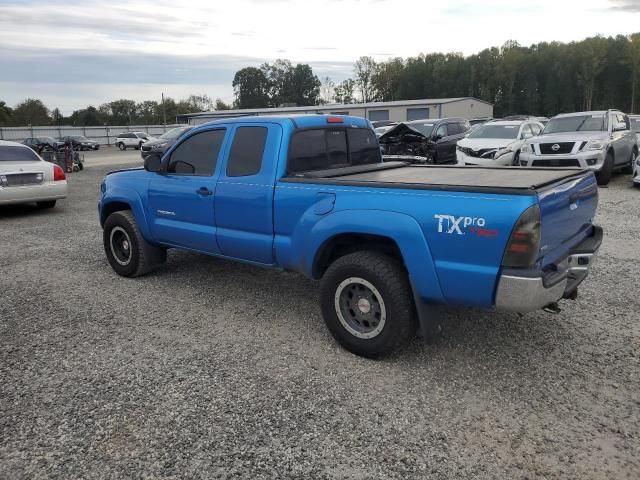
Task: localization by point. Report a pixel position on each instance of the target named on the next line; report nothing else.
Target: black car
(40, 144)
(80, 142)
(424, 141)
(163, 143)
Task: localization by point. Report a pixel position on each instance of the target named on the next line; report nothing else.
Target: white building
(398, 111)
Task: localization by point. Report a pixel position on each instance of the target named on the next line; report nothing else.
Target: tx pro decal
(453, 225)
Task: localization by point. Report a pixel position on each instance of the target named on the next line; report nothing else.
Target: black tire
(628, 169)
(603, 176)
(46, 204)
(516, 159)
(122, 146)
(134, 258)
(391, 283)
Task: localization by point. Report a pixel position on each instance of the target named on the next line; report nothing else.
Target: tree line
(543, 79)
(119, 112)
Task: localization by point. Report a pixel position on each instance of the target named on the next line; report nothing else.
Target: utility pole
(164, 112)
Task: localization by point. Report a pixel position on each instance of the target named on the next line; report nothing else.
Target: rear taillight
(58, 173)
(524, 243)
(335, 120)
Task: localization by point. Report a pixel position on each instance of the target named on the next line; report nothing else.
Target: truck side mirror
(153, 163)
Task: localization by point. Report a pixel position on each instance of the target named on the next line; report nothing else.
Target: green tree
(251, 88)
(304, 86)
(5, 114)
(220, 105)
(386, 79)
(364, 72)
(327, 88)
(30, 112)
(633, 60)
(123, 112)
(200, 103)
(344, 92)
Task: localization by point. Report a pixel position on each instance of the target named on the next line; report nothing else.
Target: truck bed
(511, 180)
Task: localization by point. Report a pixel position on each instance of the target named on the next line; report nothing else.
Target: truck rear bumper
(528, 290)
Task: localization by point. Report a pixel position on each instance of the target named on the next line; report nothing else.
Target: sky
(72, 53)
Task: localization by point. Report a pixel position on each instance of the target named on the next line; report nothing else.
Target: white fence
(103, 135)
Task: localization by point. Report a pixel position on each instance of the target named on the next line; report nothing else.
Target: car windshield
(578, 123)
(17, 154)
(424, 128)
(174, 133)
(635, 124)
(495, 131)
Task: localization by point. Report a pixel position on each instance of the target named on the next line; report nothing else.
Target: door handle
(204, 191)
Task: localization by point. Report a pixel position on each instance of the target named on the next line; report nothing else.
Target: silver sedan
(25, 177)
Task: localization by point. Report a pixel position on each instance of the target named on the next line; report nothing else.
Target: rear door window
(442, 131)
(197, 155)
(247, 151)
(454, 129)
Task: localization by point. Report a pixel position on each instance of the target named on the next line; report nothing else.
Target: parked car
(132, 140)
(79, 142)
(384, 129)
(635, 175)
(164, 142)
(496, 143)
(25, 177)
(424, 141)
(382, 123)
(389, 241)
(479, 120)
(39, 144)
(634, 124)
(600, 141)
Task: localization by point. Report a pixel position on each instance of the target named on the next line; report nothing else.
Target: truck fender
(133, 200)
(403, 229)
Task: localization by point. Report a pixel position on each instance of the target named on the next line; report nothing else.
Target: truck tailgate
(567, 210)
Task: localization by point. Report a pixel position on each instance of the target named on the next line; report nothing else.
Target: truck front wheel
(129, 254)
(367, 304)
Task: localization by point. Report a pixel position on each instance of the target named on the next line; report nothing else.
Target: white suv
(132, 139)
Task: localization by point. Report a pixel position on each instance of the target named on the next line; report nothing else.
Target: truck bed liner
(511, 180)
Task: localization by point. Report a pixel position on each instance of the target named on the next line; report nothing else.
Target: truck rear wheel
(603, 176)
(367, 304)
(129, 254)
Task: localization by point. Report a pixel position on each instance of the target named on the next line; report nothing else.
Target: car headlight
(502, 151)
(526, 148)
(594, 145)
(159, 146)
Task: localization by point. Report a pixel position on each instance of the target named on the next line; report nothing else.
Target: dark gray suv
(164, 142)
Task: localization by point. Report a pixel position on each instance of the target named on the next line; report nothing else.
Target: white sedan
(496, 143)
(27, 178)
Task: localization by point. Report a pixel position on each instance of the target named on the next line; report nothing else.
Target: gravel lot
(210, 369)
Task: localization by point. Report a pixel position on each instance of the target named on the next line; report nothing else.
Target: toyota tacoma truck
(599, 141)
(391, 243)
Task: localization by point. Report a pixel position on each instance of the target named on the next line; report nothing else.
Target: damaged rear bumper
(528, 290)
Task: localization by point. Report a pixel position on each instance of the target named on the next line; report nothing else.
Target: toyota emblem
(555, 147)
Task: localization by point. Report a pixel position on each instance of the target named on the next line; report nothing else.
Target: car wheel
(516, 159)
(628, 169)
(367, 304)
(128, 252)
(603, 176)
(122, 146)
(46, 204)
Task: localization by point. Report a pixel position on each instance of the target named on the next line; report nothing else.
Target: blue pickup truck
(392, 243)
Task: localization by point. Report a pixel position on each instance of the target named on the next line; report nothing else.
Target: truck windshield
(578, 123)
(424, 128)
(17, 154)
(495, 131)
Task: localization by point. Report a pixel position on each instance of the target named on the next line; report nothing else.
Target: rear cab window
(327, 148)
(247, 151)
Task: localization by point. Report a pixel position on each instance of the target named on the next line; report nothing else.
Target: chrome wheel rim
(120, 245)
(360, 308)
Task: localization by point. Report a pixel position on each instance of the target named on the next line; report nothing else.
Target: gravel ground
(210, 369)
